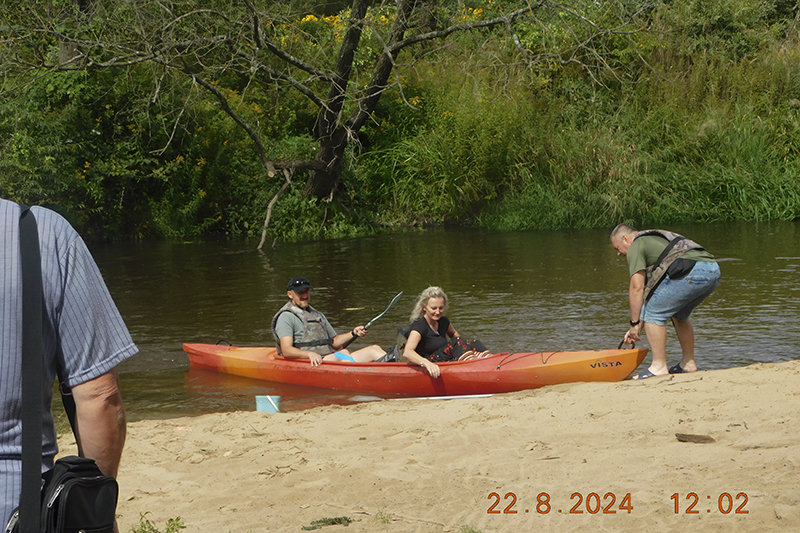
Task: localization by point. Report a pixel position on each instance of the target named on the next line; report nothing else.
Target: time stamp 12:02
(610, 503)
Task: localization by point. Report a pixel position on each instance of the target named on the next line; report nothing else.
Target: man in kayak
(302, 332)
(670, 276)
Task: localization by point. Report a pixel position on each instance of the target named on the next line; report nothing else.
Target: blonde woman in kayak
(427, 338)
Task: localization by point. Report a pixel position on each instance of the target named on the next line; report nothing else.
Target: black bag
(76, 497)
(680, 268)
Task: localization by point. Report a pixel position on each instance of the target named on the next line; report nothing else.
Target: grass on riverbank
(704, 140)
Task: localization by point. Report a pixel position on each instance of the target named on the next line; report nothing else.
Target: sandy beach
(575, 457)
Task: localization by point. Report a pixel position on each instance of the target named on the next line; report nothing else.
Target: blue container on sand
(268, 404)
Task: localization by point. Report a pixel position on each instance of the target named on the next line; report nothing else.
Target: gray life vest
(315, 334)
(677, 247)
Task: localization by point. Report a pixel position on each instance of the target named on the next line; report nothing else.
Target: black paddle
(394, 300)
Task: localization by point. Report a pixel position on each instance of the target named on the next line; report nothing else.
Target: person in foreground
(427, 338)
(302, 332)
(670, 275)
(82, 332)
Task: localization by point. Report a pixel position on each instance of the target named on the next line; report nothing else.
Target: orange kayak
(502, 372)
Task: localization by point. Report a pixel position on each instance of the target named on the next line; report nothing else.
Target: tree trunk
(330, 131)
(323, 182)
(333, 135)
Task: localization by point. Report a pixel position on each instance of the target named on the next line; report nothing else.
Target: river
(521, 291)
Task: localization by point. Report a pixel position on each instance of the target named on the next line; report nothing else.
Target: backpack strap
(667, 250)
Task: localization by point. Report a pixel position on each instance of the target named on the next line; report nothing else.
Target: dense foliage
(705, 125)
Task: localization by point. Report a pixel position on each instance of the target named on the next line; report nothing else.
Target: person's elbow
(100, 421)
(102, 392)
(637, 282)
(409, 354)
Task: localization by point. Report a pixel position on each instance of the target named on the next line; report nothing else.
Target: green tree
(254, 58)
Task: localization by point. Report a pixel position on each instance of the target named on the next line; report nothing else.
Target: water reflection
(541, 290)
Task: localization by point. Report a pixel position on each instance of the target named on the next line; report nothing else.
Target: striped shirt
(81, 318)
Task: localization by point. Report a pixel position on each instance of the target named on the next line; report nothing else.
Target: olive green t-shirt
(644, 252)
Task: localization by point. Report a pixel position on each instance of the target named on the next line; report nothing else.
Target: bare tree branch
(192, 13)
(288, 175)
(171, 135)
(302, 65)
(299, 86)
(223, 102)
(396, 47)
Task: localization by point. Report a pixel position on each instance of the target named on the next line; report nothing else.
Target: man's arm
(636, 300)
(100, 421)
(342, 340)
(636, 294)
(290, 351)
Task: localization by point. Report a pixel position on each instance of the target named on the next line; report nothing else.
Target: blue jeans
(678, 298)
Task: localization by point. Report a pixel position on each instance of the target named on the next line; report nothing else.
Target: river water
(521, 291)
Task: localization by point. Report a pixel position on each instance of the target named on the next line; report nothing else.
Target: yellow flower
(309, 18)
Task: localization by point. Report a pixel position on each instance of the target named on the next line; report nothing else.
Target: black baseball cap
(298, 284)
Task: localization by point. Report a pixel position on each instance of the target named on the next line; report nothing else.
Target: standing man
(82, 332)
(302, 332)
(670, 276)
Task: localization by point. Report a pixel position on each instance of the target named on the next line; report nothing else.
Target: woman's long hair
(422, 301)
